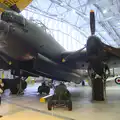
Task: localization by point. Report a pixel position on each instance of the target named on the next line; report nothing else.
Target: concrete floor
(83, 107)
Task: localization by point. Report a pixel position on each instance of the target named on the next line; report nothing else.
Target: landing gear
(18, 86)
(83, 83)
(69, 105)
(43, 89)
(98, 84)
(98, 89)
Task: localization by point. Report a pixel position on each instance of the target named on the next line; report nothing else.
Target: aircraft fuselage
(26, 41)
(22, 40)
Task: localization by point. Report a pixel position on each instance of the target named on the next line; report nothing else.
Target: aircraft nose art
(4, 29)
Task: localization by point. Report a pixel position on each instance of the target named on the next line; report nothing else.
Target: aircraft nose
(4, 29)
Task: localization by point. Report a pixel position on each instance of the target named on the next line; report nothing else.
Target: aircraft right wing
(15, 5)
(79, 59)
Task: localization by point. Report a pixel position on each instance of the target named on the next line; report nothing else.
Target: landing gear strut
(98, 83)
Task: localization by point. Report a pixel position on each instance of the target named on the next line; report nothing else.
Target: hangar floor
(29, 107)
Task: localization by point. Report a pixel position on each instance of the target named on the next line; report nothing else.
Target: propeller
(95, 48)
(94, 44)
(92, 22)
(92, 28)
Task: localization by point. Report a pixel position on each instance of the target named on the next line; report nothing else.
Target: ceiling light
(105, 11)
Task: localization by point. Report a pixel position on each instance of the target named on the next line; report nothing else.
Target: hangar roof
(74, 15)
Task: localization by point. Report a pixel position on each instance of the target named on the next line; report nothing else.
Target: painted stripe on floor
(41, 111)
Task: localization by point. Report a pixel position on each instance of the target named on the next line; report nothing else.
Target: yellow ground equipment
(9, 4)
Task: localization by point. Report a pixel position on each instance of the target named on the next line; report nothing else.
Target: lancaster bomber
(27, 50)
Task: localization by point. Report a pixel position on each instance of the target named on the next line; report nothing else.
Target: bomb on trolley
(61, 97)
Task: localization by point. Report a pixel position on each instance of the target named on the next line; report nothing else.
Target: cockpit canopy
(11, 16)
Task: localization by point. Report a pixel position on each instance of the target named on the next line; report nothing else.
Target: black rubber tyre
(47, 90)
(50, 105)
(40, 89)
(44, 89)
(6, 85)
(24, 85)
(70, 105)
(98, 90)
(14, 88)
(83, 83)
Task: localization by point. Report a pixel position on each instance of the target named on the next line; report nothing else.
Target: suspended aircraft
(28, 50)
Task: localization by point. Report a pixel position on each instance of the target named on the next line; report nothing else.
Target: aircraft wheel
(83, 83)
(44, 89)
(40, 89)
(50, 105)
(6, 86)
(69, 105)
(24, 85)
(98, 91)
(47, 90)
(14, 88)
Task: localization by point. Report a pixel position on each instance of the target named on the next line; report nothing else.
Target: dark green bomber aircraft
(28, 50)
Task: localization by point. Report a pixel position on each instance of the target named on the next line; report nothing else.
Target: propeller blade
(92, 22)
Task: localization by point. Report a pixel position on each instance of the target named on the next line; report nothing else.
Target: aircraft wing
(111, 57)
(75, 60)
(15, 5)
(74, 56)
